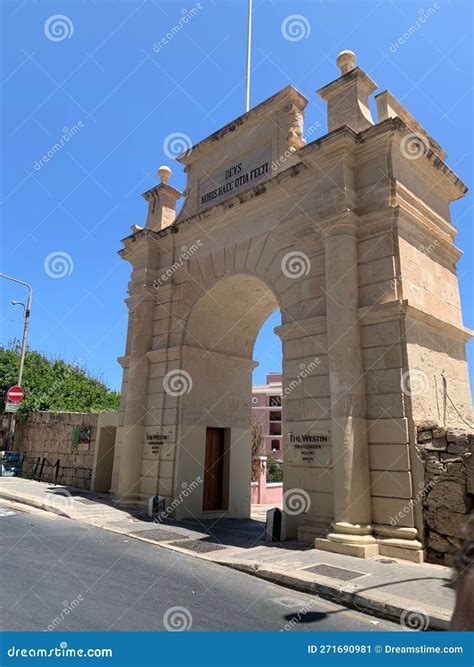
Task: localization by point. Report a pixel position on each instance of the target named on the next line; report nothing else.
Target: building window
(275, 445)
(275, 401)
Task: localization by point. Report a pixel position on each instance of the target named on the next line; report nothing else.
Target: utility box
(273, 529)
(156, 508)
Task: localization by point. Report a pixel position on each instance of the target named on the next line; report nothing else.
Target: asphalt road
(58, 574)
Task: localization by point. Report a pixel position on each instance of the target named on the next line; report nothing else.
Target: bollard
(273, 525)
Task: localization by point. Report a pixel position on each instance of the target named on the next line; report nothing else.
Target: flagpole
(249, 48)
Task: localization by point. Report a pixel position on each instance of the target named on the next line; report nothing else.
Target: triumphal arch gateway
(350, 236)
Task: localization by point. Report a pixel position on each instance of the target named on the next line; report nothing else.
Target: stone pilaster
(141, 306)
(352, 532)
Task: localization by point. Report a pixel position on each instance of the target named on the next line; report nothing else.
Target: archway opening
(220, 337)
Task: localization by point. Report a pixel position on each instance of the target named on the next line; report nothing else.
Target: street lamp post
(27, 310)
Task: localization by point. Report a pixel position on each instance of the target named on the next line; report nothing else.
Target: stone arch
(219, 337)
(228, 317)
(358, 319)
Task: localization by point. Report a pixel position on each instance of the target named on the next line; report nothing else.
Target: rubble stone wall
(50, 435)
(448, 494)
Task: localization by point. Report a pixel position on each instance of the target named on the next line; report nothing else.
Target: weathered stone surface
(427, 425)
(446, 522)
(446, 457)
(470, 474)
(50, 435)
(457, 435)
(425, 436)
(438, 444)
(454, 471)
(439, 432)
(448, 495)
(439, 543)
(457, 448)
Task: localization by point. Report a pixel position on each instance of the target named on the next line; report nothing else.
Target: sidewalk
(417, 596)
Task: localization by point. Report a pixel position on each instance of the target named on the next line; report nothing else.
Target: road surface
(60, 575)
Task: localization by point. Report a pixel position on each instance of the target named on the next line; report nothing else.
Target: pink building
(266, 406)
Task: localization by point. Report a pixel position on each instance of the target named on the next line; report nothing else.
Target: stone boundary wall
(50, 435)
(448, 493)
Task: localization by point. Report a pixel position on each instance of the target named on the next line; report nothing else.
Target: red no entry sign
(15, 394)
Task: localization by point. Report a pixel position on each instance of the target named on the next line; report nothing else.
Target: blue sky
(102, 84)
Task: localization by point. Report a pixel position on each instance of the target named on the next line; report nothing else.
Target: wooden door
(213, 469)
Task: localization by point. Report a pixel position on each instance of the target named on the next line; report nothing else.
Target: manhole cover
(334, 572)
(199, 546)
(158, 535)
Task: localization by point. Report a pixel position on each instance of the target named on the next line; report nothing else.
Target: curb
(390, 607)
(33, 502)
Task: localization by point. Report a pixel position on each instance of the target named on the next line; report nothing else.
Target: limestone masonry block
(457, 436)
(448, 495)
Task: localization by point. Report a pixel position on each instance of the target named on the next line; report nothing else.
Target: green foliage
(51, 384)
(256, 443)
(274, 470)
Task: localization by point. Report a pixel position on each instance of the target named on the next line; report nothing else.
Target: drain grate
(334, 572)
(199, 546)
(159, 535)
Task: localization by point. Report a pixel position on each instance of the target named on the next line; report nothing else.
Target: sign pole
(249, 49)
(27, 310)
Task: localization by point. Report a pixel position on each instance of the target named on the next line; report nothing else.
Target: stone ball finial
(164, 173)
(346, 61)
